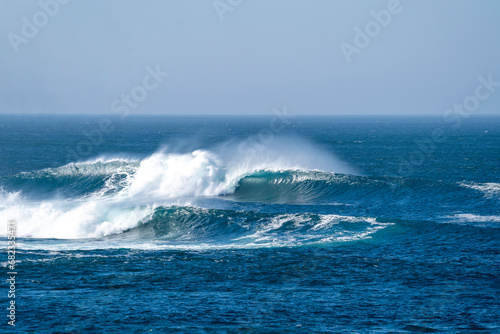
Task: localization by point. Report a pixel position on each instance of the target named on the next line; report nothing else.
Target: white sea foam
(489, 189)
(327, 221)
(473, 219)
(96, 167)
(304, 229)
(9, 198)
(71, 220)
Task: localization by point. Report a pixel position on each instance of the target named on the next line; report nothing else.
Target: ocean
(250, 224)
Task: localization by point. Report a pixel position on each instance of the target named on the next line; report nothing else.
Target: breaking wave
(110, 196)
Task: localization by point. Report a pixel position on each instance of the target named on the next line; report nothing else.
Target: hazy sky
(248, 56)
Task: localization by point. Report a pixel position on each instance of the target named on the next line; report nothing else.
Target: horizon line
(220, 114)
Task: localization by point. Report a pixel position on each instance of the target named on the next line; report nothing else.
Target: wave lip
(74, 180)
(218, 171)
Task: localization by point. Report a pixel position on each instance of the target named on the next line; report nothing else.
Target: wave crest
(111, 195)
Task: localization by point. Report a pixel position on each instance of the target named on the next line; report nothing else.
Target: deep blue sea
(268, 224)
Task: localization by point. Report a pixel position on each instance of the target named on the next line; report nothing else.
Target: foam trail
(475, 220)
(490, 190)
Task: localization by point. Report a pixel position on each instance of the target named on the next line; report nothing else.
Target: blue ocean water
(279, 224)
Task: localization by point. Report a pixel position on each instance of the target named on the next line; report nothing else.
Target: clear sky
(248, 56)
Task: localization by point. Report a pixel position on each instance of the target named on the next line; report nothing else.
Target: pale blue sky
(264, 54)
